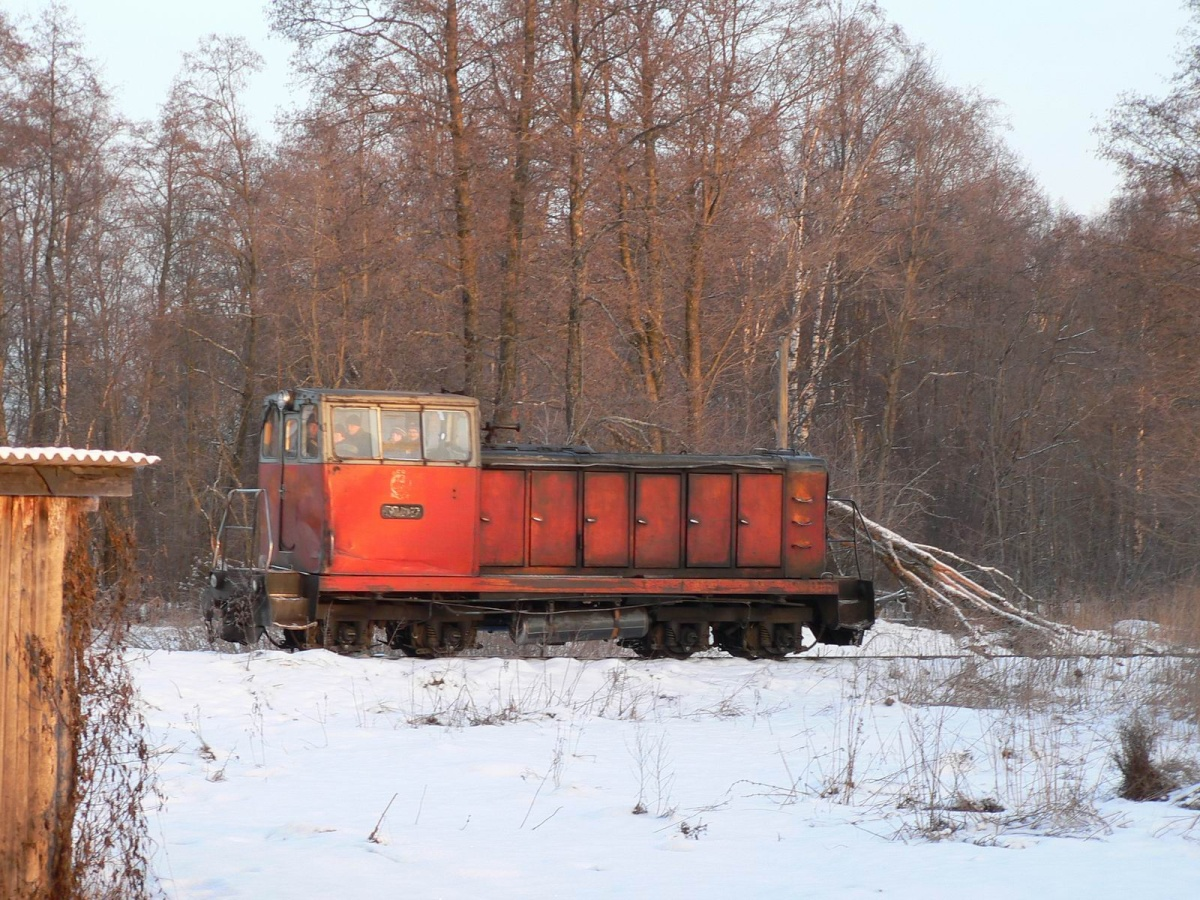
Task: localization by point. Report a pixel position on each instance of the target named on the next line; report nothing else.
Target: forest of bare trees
(607, 219)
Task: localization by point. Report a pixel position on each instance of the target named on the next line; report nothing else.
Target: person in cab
(356, 441)
(404, 440)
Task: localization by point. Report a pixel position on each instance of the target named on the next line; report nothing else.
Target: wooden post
(42, 491)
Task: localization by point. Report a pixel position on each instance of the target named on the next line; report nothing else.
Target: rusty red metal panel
(606, 519)
(397, 518)
(709, 520)
(302, 523)
(553, 518)
(804, 528)
(657, 533)
(502, 518)
(760, 520)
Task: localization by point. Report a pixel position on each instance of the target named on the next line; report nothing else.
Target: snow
(315, 775)
(73, 457)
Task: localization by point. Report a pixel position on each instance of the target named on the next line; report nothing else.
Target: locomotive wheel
(351, 636)
(433, 639)
(669, 641)
(344, 637)
(424, 639)
(756, 640)
(451, 637)
(774, 642)
(679, 641)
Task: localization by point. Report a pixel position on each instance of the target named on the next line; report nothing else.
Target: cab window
(448, 435)
(401, 434)
(291, 436)
(310, 431)
(355, 432)
(270, 442)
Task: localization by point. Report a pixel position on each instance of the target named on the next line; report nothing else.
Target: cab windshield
(417, 435)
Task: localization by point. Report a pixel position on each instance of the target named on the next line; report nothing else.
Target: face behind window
(401, 434)
(310, 447)
(354, 433)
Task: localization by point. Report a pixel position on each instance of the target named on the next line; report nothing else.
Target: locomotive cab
(370, 483)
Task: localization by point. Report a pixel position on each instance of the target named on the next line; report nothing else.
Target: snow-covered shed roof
(68, 472)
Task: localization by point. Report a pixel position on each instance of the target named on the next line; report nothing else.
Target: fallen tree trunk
(937, 581)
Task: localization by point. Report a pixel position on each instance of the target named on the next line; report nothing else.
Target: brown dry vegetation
(1172, 612)
(112, 762)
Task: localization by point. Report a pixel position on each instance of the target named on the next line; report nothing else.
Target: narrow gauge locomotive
(381, 511)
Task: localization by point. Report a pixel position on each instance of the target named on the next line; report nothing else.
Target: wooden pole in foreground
(42, 493)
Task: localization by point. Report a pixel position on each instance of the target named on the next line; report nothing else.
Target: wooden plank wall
(37, 802)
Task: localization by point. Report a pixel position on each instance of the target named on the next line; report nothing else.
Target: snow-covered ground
(312, 775)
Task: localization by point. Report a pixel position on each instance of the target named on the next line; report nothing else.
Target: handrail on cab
(858, 525)
(253, 496)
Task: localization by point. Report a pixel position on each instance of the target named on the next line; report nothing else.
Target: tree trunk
(464, 212)
(576, 198)
(506, 388)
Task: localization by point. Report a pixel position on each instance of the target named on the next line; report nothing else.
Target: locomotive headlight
(282, 399)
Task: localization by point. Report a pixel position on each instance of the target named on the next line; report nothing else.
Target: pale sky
(1057, 67)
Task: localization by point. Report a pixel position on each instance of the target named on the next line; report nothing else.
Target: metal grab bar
(250, 498)
(858, 525)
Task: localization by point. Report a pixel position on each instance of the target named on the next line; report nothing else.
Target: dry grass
(1143, 777)
(161, 626)
(1016, 683)
(1165, 619)
(1172, 611)
(113, 764)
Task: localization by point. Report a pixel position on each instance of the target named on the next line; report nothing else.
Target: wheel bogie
(677, 630)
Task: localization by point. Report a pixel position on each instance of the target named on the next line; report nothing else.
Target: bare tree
(410, 56)
(56, 182)
(523, 106)
(864, 75)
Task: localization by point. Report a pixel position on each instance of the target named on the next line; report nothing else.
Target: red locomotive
(381, 511)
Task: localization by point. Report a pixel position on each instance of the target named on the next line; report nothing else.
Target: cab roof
(294, 397)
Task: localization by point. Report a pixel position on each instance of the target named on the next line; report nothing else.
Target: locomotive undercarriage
(444, 625)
